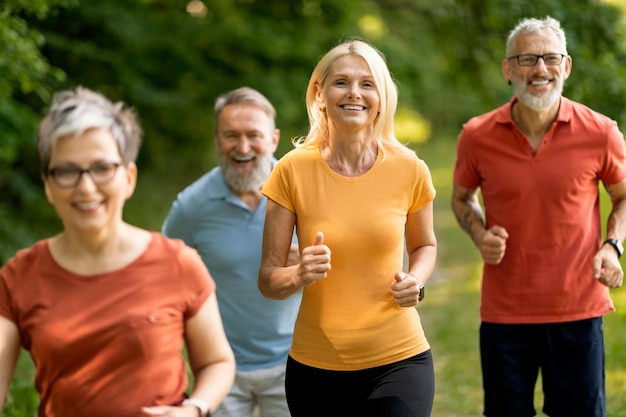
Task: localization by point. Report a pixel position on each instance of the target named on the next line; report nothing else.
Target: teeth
(88, 206)
(541, 82)
(349, 107)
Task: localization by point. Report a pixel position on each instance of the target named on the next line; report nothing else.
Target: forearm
(422, 262)
(469, 214)
(279, 283)
(9, 353)
(209, 383)
(616, 221)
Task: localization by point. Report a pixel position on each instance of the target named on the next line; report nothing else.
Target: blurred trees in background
(169, 59)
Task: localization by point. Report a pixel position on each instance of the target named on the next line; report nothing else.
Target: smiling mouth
(539, 82)
(352, 107)
(243, 160)
(87, 206)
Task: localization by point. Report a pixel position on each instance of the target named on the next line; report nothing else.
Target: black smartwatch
(617, 245)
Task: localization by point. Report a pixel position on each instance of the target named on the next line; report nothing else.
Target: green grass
(449, 313)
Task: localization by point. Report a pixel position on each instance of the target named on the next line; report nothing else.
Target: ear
(275, 139)
(131, 179)
(507, 71)
(568, 67)
(46, 188)
(319, 97)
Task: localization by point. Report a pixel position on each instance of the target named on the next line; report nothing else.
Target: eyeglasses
(68, 176)
(530, 60)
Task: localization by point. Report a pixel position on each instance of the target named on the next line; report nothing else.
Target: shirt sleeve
(613, 169)
(177, 224)
(277, 187)
(465, 172)
(200, 284)
(6, 275)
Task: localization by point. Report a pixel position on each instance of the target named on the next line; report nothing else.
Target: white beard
(537, 103)
(254, 180)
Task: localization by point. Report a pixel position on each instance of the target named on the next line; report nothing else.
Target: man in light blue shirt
(222, 216)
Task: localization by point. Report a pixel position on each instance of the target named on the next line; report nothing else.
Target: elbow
(264, 285)
(270, 294)
(269, 291)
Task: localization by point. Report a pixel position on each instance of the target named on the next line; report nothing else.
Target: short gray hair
(530, 25)
(73, 112)
(244, 95)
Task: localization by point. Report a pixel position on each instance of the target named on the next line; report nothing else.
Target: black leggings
(401, 389)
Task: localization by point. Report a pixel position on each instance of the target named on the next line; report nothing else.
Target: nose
(243, 145)
(354, 91)
(85, 181)
(540, 65)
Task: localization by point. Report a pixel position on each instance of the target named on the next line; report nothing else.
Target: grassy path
(449, 314)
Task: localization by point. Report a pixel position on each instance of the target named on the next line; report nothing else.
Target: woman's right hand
(315, 261)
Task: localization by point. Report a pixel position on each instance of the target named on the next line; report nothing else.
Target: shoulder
(298, 154)
(209, 183)
(162, 244)
(27, 256)
(500, 115)
(403, 156)
(26, 262)
(300, 157)
(174, 252)
(580, 113)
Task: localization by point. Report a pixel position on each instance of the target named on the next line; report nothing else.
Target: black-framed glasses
(68, 176)
(530, 60)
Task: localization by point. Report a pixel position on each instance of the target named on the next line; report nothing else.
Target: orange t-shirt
(548, 201)
(350, 320)
(111, 343)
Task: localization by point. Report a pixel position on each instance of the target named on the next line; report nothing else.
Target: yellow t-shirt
(350, 320)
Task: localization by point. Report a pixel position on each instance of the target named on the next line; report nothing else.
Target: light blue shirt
(228, 236)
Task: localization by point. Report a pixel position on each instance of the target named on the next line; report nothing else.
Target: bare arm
(421, 246)
(211, 360)
(606, 265)
(277, 280)
(468, 212)
(9, 353)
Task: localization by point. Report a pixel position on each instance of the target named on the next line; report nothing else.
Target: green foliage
(449, 314)
(170, 66)
(22, 65)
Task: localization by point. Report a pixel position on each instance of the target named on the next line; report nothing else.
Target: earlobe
(46, 188)
(318, 98)
(131, 177)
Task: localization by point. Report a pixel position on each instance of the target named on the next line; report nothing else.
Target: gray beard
(534, 102)
(245, 183)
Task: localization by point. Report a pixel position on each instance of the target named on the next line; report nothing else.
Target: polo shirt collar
(503, 114)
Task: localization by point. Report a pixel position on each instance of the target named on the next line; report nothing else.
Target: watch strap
(201, 405)
(617, 245)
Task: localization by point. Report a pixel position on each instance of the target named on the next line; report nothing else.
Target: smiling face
(246, 139)
(349, 95)
(88, 207)
(538, 87)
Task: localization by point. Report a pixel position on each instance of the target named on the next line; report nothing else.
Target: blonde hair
(383, 131)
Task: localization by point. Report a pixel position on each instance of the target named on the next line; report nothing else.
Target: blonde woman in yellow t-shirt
(357, 199)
